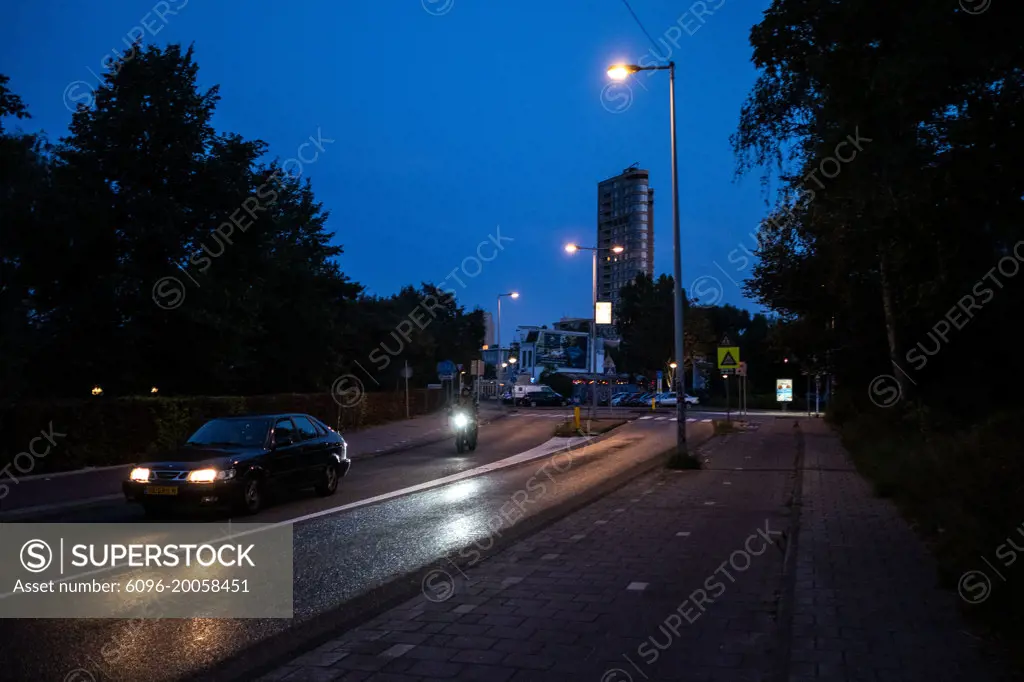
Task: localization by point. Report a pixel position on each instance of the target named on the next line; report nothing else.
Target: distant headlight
(210, 475)
(461, 419)
(140, 474)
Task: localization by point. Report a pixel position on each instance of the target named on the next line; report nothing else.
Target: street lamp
(573, 248)
(621, 72)
(511, 294)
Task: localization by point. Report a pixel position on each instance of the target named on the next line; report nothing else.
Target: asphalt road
(337, 556)
(367, 477)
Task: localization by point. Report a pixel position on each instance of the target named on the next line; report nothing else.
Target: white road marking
(683, 534)
(636, 587)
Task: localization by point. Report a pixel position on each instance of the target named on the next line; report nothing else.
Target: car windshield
(242, 432)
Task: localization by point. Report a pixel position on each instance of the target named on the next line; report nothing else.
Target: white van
(536, 395)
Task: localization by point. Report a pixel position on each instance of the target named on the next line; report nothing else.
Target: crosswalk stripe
(646, 417)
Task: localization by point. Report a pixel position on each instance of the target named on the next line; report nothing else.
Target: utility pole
(406, 373)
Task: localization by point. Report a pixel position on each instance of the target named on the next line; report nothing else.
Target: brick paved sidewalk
(638, 585)
(679, 576)
(866, 602)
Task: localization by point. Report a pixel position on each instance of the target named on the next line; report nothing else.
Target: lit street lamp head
(620, 72)
(571, 248)
(617, 249)
(515, 294)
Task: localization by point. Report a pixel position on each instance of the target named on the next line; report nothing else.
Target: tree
(145, 198)
(869, 256)
(24, 198)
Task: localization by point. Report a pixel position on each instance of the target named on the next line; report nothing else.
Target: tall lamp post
(573, 248)
(622, 72)
(500, 365)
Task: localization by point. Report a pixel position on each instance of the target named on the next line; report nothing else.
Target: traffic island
(597, 427)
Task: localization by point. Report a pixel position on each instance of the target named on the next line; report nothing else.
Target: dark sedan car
(237, 462)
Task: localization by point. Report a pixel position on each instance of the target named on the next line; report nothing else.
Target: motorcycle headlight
(461, 419)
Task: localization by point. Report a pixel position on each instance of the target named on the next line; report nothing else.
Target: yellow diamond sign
(729, 358)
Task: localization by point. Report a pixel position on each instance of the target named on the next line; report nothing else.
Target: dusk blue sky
(451, 118)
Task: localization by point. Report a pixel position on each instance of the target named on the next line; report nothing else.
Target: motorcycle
(465, 427)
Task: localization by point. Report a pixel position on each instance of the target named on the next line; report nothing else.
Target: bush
(102, 432)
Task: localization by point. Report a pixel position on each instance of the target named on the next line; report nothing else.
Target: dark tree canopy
(875, 241)
(146, 249)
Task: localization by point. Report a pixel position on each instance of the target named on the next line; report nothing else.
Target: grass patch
(723, 427)
(682, 462)
(598, 426)
(963, 490)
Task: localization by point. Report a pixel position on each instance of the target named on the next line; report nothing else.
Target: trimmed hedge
(103, 432)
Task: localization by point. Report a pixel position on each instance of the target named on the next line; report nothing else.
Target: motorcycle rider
(467, 402)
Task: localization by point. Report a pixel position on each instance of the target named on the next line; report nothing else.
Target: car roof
(268, 415)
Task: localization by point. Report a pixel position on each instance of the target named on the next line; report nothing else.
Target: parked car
(238, 461)
(667, 399)
(691, 399)
(641, 400)
(618, 398)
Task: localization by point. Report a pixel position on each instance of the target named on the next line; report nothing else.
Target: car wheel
(252, 496)
(328, 481)
(533, 403)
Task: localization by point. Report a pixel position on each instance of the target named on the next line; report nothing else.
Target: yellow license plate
(162, 490)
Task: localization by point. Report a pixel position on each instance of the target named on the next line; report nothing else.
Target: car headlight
(139, 474)
(210, 475)
(461, 419)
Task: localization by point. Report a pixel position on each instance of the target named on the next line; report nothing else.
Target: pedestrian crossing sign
(728, 358)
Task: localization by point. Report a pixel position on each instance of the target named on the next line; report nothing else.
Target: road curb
(783, 660)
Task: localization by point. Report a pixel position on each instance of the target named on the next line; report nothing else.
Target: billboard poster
(784, 390)
(568, 351)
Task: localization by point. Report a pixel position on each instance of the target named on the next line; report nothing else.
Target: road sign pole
(728, 414)
(407, 389)
(817, 396)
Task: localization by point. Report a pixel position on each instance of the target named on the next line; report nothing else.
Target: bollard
(576, 417)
